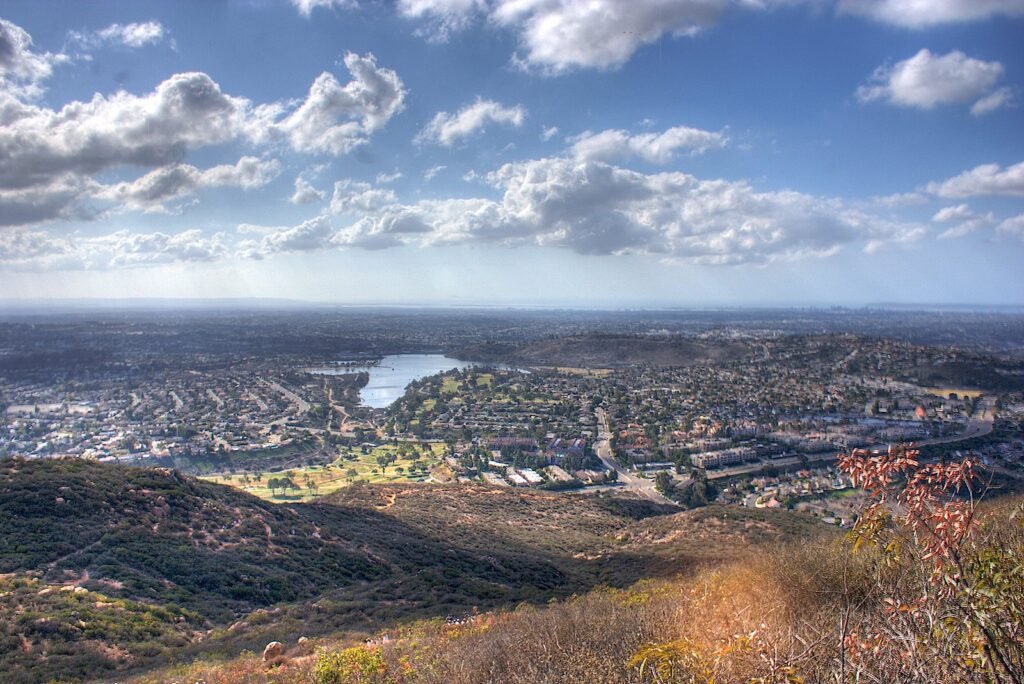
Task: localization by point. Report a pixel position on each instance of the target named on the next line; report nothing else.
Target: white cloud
(549, 133)
(151, 191)
(135, 35)
(1013, 226)
(965, 220)
(588, 207)
(926, 80)
(307, 236)
(22, 69)
(39, 250)
(387, 229)
(657, 148)
(383, 178)
(305, 193)
(306, 7)
(357, 197)
(335, 118)
(959, 212)
(447, 129)
(560, 35)
(923, 13)
(1003, 97)
(433, 171)
(987, 179)
(592, 207)
(442, 17)
(185, 112)
(51, 156)
(899, 200)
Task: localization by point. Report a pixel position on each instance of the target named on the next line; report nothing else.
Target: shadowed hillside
(209, 557)
(825, 610)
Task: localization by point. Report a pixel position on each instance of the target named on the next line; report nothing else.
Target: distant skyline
(608, 153)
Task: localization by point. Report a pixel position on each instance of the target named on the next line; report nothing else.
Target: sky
(514, 152)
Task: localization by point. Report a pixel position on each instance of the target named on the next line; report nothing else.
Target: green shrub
(356, 665)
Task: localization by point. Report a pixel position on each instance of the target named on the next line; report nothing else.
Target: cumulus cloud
(309, 235)
(923, 13)
(657, 148)
(184, 112)
(592, 207)
(389, 228)
(21, 68)
(39, 250)
(134, 35)
(926, 80)
(58, 198)
(305, 193)
(987, 179)
(151, 191)
(447, 129)
(52, 156)
(357, 197)
(559, 35)
(586, 206)
(548, 133)
(336, 118)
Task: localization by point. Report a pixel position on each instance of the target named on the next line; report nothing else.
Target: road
(975, 428)
(641, 486)
(301, 404)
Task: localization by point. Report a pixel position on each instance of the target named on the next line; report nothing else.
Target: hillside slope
(609, 351)
(210, 557)
(797, 612)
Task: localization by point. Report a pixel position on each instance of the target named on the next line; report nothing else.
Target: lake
(390, 377)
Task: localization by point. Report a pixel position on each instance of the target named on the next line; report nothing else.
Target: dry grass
(772, 615)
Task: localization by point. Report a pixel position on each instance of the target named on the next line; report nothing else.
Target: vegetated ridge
(109, 568)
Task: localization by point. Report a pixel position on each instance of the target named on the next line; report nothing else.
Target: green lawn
(332, 477)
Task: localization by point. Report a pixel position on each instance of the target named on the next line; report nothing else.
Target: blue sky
(548, 152)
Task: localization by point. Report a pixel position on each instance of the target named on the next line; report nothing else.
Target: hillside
(609, 351)
(815, 611)
(183, 560)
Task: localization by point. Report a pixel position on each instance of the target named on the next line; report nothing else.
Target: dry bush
(589, 638)
(938, 599)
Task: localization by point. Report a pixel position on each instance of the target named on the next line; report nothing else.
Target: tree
(664, 482)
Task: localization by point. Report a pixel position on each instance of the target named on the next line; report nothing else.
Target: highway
(975, 428)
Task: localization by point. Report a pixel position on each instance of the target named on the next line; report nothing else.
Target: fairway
(411, 463)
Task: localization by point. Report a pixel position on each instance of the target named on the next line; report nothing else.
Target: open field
(412, 463)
